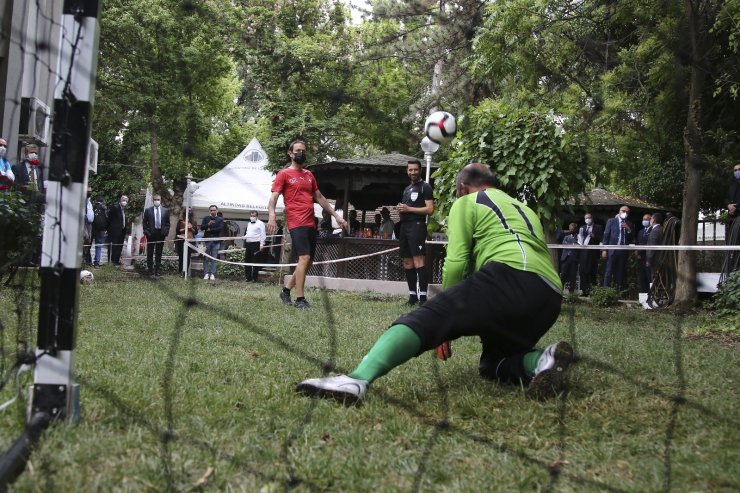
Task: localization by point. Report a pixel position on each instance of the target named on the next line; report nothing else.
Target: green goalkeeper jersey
(490, 226)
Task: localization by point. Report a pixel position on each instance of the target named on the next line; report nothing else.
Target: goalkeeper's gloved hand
(444, 350)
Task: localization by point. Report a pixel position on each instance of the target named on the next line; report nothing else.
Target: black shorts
(509, 309)
(412, 241)
(304, 241)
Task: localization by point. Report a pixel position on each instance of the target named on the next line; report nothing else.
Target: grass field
(180, 395)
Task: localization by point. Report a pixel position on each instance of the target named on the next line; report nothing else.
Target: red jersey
(297, 188)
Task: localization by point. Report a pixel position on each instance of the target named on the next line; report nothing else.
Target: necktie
(156, 218)
(33, 179)
(621, 233)
(123, 215)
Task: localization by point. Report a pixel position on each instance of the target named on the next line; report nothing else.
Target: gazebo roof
(366, 183)
(604, 198)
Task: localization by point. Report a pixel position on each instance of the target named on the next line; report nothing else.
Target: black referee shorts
(413, 237)
(509, 309)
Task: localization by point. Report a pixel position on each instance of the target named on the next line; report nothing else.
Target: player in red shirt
(300, 190)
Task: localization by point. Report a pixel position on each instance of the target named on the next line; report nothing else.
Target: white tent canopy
(241, 186)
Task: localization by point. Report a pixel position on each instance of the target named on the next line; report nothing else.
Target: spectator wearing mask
(156, 228)
(99, 227)
(254, 241)
(212, 227)
(618, 231)
(117, 228)
(28, 174)
(569, 259)
(589, 234)
(654, 238)
(643, 271)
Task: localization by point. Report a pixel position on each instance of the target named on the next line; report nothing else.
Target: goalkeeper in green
(510, 300)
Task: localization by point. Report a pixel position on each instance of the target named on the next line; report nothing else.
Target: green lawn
(199, 397)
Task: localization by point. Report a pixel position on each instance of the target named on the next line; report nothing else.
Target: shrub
(601, 296)
(726, 301)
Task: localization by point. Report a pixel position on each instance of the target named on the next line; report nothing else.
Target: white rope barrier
(322, 262)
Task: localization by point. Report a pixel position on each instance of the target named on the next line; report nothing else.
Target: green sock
(396, 346)
(530, 361)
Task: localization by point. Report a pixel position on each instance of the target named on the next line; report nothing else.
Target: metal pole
(185, 247)
(53, 391)
(428, 159)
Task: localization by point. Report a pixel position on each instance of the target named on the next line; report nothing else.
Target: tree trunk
(694, 157)
(156, 175)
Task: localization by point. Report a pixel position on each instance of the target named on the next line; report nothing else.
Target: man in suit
(156, 229)
(589, 234)
(654, 238)
(618, 231)
(117, 228)
(29, 176)
(643, 272)
(569, 259)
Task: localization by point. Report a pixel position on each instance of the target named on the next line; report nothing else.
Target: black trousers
(643, 276)
(250, 250)
(569, 270)
(509, 309)
(154, 245)
(587, 269)
(116, 247)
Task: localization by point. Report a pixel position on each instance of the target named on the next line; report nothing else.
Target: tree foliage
(166, 91)
(530, 151)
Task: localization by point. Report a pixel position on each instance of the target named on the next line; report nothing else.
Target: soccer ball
(440, 127)
(86, 277)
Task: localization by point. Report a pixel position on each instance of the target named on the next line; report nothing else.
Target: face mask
(124, 203)
(157, 202)
(252, 219)
(33, 159)
(737, 174)
(4, 150)
(645, 224)
(589, 221)
(299, 157)
(623, 215)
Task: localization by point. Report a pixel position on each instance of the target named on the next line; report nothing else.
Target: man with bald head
(499, 284)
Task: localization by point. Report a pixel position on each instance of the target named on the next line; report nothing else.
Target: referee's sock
(396, 346)
(411, 281)
(421, 273)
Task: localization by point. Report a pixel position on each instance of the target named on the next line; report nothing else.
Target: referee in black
(417, 203)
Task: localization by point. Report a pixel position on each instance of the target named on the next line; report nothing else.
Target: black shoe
(285, 297)
(302, 304)
(411, 302)
(96, 266)
(422, 300)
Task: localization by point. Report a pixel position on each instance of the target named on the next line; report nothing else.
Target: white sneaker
(341, 387)
(213, 278)
(206, 277)
(549, 376)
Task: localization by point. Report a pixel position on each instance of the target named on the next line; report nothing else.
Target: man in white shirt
(254, 241)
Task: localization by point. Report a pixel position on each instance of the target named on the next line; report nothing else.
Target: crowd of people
(105, 228)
